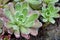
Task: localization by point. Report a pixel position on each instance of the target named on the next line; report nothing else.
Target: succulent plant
(18, 17)
(50, 13)
(21, 21)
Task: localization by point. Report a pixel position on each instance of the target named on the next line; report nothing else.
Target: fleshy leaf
(11, 8)
(8, 14)
(37, 24)
(17, 34)
(52, 20)
(25, 5)
(18, 6)
(54, 1)
(0, 30)
(45, 20)
(10, 30)
(29, 24)
(15, 27)
(31, 18)
(25, 12)
(24, 30)
(25, 36)
(18, 16)
(50, 12)
(33, 31)
(1, 23)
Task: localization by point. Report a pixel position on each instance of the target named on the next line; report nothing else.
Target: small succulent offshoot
(50, 13)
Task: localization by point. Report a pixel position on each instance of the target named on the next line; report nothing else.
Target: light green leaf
(11, 8)
(30, 20)
(56, 15)
(32, 17)
(17, 34)
(51, 20)
(24, 30)
(15, 27)
(49, 13)
(37, 24)
(1, 30)
(8, 14)
(30, 24)
(54, 1)
(18, 14)
(45, 20)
